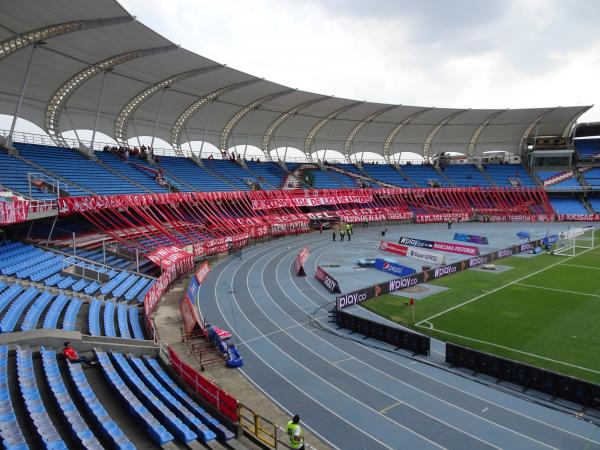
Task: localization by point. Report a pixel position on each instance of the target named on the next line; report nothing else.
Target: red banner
(189, 314)
(276, 203)
(579, 217)
(165, 257)
(445, 217)
(300, 260)
(13, 212)
(224, 402)
(202, 272)
(398, 249)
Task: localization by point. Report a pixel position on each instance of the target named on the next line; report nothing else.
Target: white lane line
(387, 408)
(397, 380)
(456, 388)
(500, 288)
(582, 267)
(294, 362)
(557, 290)
(517, 351)
(484, 409)
(343, 360)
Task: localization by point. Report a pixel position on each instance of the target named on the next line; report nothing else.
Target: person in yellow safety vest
(295, 433)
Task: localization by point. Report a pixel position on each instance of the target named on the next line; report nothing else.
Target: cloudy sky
(444, 53)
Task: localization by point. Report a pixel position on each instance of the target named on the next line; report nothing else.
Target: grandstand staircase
(587, 205)
(579, 174)
(485, 175)
(179, 180)
(264, 182)
(218, 175)
(443, 176)
(120, 175)
(404, 174)
(51, 174)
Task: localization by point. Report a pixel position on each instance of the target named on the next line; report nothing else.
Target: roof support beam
(533, 125)
(61, 96)
(20, 41)
(569, 127)
(389, 140)
(269, 134)
(230, 125)
(312, 134)
(186, 115)
(436, 130)
(359, 126)
(124, 116)
(475, 138)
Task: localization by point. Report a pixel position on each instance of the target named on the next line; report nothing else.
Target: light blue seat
(134, 321)
(94, 317)
(71, 314)
(10, 319)
(78, 427)
(33, 402)
(155, 429)
(100, 416)
(35, 311)
(51, 319)
(175, 425)
(109, 319)
(122, 320)
(10, 430)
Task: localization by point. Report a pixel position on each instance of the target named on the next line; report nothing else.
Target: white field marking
(285, 379)
(470, 394)
(299, 324)
(557, 290)
(499, 288)
(345, 394)
(342, 360)
(518, 351)
(398, 380)
(484, 409)
(582, 267)
(387, 408)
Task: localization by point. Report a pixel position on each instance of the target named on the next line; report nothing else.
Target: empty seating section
(222, 432)
(323, 180)
(122, 321)
(501, 175)
(199, 178)
(34, 404)
(592, 177)
(54, 312)
(343, 179)
(131, 171)
(350, 168)
(109, 319)
(155, 429)
(35, 311)
(134, 321)
(231, 171)
(78, 427)
(570, 183)
(70, 318)
(568, 206)
(12, 315)
(465, 175)
(587, 148)
(14, 176)
(74, 167)
(181, 411)
(101, 418)
(10, 430)
(594, 203)
(422, 175)
(272, 174)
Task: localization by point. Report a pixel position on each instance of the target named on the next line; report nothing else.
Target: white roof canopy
(92, 44)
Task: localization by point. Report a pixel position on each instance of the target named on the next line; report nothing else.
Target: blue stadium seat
(100, 416)
(8, 296)
(205, 435)
(10, 430)
(155, 429)
(136, 288)
(134, 321)
(122, 320)
(113, 283)
(71, 314)
(175, 425)
(94, 317)
(109, 319)
(10, 319)
(222, 432)
(79, 429)
(33, 402)
(35, 312)
(55, 310)
(568, 206)
(126, 284)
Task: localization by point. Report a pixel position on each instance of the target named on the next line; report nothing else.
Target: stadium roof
(91, 46)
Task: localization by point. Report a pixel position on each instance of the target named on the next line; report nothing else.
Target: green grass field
(544, 311)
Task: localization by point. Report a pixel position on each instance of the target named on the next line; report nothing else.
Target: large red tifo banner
(165, 257)
(310, 201)
(13, 212)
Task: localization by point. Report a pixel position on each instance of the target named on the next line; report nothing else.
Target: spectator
(71, 355)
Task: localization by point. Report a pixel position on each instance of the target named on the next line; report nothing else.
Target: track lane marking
(557, 290)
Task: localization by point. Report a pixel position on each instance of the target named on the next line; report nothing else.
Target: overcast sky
(444, 53)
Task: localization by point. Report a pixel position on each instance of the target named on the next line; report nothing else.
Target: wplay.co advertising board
(441, 246)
